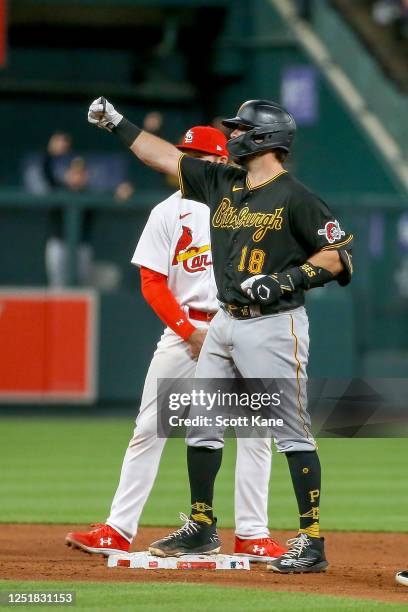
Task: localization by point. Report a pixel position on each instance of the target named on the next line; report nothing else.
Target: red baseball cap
(205, 139)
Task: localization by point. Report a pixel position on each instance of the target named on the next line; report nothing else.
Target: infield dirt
(362, 565)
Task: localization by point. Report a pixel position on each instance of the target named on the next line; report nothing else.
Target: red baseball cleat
(260, 550)
(102, 540)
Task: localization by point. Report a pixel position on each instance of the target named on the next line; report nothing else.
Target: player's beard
(243, 161)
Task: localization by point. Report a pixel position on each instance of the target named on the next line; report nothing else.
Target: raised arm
(156, 153)
(151, 150)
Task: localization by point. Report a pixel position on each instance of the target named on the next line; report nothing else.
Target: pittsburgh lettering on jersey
(226, 216)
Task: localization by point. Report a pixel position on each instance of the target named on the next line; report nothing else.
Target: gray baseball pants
(267, 347)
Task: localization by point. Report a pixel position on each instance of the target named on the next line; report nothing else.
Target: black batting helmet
(271, 127)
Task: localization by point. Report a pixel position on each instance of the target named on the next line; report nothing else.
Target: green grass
(176, 597)
(61, 470)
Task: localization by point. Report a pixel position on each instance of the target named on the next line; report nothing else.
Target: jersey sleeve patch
(331, 231)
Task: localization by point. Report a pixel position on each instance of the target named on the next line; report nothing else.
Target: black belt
(253, 311)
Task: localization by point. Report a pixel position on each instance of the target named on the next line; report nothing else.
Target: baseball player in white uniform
(174, 256)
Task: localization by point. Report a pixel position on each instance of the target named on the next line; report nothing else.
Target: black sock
(203, 465)
(305, 471)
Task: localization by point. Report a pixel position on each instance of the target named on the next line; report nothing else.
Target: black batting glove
(266, 290)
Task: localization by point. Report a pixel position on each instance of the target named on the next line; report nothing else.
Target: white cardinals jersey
(176, 242)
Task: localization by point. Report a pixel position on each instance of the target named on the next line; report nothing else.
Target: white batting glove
(103, 114)
(246, 286)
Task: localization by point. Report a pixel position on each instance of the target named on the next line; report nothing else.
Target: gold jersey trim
(179, 174)
(248, 182)
(337, 244)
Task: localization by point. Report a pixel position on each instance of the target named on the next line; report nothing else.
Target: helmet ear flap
(251, 142)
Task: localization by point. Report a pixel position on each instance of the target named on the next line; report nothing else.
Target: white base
(143, 560)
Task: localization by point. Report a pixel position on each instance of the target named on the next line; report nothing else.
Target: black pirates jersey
(258, 230)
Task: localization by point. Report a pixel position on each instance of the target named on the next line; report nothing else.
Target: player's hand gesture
(196, 341)
(103, 114)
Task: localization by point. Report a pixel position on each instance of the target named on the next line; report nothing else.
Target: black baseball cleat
(192, 539)
(305, 555)
(402, 578)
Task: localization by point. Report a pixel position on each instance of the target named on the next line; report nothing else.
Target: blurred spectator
(59, 144)
(153, 122)
(124, 191)
(46, 171)
(43, 172)
(58, 148)
(76, 176)
(59, 168)
(75, 180)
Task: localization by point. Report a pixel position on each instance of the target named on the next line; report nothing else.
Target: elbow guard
(345, 275)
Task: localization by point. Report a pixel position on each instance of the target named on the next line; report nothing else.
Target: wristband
(314, 276)
(306, 276)
(127, 132)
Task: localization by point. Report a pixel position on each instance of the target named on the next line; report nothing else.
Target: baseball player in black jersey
(272, 240)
